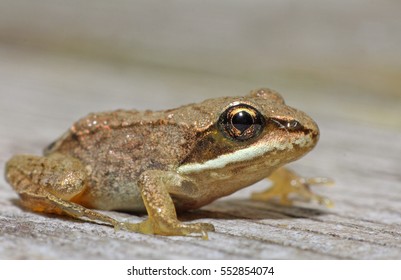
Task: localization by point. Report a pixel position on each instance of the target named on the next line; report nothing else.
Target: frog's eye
(241, 122)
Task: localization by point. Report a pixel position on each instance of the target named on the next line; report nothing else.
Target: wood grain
(42, 94)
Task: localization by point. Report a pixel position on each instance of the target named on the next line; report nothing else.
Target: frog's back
(126, 141)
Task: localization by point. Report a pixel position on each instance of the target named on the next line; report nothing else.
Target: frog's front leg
(287, 182)
(156, 188)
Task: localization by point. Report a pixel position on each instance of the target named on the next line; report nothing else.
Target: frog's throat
(247, 154)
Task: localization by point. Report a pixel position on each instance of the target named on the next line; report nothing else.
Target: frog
(161, 163)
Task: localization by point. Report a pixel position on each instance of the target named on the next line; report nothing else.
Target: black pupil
(242, 121)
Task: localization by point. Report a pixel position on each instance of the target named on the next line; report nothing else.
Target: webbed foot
(151, 226)
(289, 187)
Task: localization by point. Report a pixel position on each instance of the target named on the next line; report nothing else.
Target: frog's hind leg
(49, 184)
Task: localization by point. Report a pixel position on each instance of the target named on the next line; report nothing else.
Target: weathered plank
(39, 103)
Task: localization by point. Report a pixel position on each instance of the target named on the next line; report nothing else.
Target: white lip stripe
(237, 156)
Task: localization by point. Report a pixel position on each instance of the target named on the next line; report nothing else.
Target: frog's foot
(151, 226)
(288, 186)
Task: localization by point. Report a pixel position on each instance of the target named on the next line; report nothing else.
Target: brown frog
(167, 161)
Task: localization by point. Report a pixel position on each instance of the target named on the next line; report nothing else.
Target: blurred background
(340, 59)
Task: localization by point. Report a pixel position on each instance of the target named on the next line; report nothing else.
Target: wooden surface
(41, 95)
(338, 61)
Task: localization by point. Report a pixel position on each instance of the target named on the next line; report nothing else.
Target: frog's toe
(319, 181)
(207, 226)
(322, 200)
(203, 229)
(301, 187)
(168, 228)
(195, 229)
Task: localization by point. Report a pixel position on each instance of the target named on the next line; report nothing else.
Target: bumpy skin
(165, 161)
